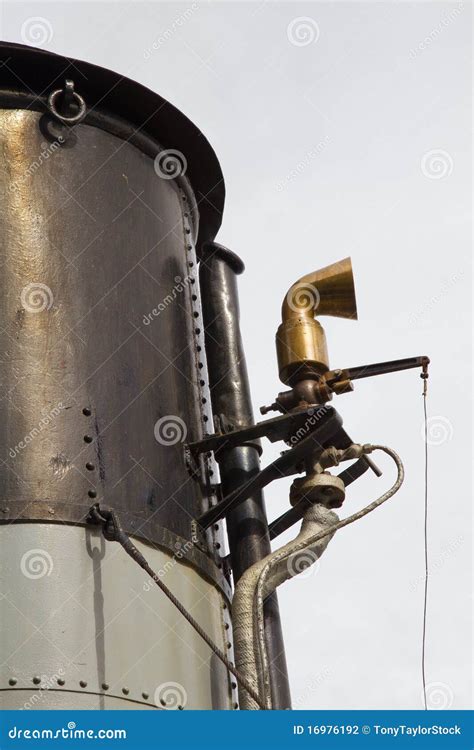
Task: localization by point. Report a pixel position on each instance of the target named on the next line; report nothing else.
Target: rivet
(236, 705)
(88, 439)
(87, 412)
(12, 681)
(145, 696)
(61, 682)
(180, 708)
(92, 493)
(89, 466)
(83, 683)
(36, 680)
(105, 686)
(233, 685)
(125, 691)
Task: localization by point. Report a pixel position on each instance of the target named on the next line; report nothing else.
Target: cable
(424, 376)
(113, 532)
(277, 558)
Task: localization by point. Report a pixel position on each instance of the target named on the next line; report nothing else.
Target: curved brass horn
(300, 339)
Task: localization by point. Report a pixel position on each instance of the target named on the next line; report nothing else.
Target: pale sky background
(355, 141)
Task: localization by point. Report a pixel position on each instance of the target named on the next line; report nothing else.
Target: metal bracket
(290, 428)
(328, 431)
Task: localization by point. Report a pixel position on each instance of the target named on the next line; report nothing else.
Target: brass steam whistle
(302, 354)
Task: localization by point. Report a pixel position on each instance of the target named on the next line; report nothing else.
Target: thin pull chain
(424, 375)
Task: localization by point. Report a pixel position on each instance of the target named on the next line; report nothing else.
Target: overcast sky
(342, 129)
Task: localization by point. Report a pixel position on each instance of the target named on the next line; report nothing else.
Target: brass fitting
(300, 339)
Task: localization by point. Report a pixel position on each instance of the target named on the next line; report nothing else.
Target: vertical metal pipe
(247, 525)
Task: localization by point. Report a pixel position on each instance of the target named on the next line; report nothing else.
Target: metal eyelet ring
(52, 101)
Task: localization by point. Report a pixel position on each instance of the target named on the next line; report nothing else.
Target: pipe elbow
(300, 340)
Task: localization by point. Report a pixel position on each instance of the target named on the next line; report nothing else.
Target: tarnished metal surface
(121, 106)
(247, 525)
(80, 619)
(97, 340)
(103, 379)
